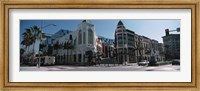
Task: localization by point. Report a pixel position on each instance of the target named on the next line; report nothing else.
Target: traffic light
(178, 29)
(167, 32)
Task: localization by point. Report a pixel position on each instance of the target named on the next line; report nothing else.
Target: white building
(79, 41)
(47, 41)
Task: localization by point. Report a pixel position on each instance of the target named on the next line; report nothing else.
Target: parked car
(175, 62)
(143, 63)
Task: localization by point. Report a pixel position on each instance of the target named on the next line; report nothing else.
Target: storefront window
(79, 57)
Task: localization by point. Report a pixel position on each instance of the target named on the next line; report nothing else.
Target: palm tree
(27, 41)
(41, 47)
(50, 50)
(27, 38)
(56, 46)
(67, 46)
(21, 53)
(36, 35)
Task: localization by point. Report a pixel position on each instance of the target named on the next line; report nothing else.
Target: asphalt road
(102, 67)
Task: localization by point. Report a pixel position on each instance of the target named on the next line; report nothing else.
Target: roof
(130, 31)
(60, 33)
(87, 21)
(120, 23)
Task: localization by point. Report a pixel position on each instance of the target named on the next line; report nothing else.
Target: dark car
(175, 62)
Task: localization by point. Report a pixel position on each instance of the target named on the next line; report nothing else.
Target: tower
(86, 36)
(120, 40)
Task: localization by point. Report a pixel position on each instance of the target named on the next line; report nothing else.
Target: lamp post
(42, 27)
(126, 53)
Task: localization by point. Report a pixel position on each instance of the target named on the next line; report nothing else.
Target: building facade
(161, 50)
(133, 48)
(72, 47)
(46, 45)
(105, 46)
(125, 44)
(172, 45)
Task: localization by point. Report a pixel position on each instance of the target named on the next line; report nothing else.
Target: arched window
(70, 37)
(84, 39)
(79, 37)
(90, 36)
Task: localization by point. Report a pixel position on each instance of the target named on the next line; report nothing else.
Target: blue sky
(153, 29)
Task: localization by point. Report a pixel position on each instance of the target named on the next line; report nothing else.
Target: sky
(153, 29)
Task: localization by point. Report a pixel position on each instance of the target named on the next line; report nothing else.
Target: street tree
(56, 46)
(68, 46)
(36, 34)
(27, 39)
(21, 53)
(42, 46)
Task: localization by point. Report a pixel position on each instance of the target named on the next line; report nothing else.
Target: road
(102, 67)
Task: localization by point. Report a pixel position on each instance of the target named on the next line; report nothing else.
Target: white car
(47, 60)
(143, 63)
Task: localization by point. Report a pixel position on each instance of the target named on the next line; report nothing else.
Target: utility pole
(42, 27)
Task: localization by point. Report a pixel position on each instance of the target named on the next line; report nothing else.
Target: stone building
(172, 45)
(125, 44)
(133, 48)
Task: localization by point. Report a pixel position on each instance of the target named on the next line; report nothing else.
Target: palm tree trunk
(67, 57)
(28, 49)
(58, 56)
(70, 55)
(34, 51)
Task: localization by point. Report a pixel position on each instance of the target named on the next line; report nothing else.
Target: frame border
(6, 5)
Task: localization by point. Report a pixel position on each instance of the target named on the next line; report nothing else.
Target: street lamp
(126, 53)
(47, 26)
(42, 27)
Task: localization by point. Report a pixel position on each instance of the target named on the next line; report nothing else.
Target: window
(75, 42)
(90, 36)
(70, 37)
(79, 37)
(74, 57)
(79, 57)
(124, 36)
(84, 38)
(119, 36)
